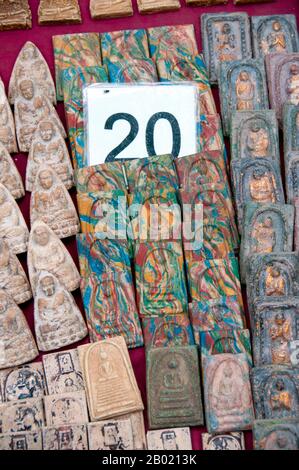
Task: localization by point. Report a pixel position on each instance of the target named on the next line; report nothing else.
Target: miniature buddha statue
(262, 186)
(58, 321)
(48, 147)
(31, 109)
(51, 203)
(245, 92)
(281, 399)
(226, 44)
(275, 282)
(29, 112)
(276, 40)
(292, 87)
(280, 334)
(258, 142)
(47, 253)
(31, 64)
(264, 236)
(172, 378)
(29, 58)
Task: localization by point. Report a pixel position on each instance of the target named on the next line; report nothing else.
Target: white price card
(137, 121)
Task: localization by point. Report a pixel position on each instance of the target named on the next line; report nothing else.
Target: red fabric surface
(10, 45)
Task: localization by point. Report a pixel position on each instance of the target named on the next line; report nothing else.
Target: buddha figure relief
(31, 65)
(226, 44)
(275, 282)
(280, 334)
(276, 40)
(262, 186)
(58, 321)
(47, 253)
(281, 399)
(52, 204)
(264, 236)
(258, 141)
(49, 148)
(30, 109)
(245, 92)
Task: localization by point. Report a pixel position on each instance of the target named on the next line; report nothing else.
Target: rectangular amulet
(228, 399)
(172, 378)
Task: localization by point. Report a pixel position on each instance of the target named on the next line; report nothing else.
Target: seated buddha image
(262, 186)
(280, 336)
(172, 378)
(173, 390)
(245, 92)
(226, 43)
(276, 40)
(107, 371)
(281, 400)
(258, 141)
(228, 397)
(51, 204)
(275, 284)
(263, 236)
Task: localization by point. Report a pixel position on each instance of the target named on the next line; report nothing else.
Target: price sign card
(137, 121)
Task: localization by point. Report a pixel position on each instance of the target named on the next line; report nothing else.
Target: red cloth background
(10, 45)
